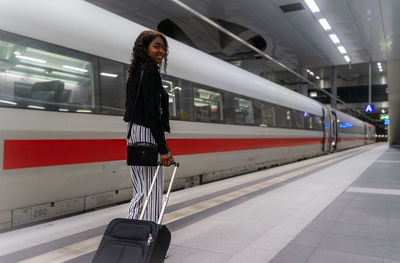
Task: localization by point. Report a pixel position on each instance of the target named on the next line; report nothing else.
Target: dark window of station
(207, 105)
(38, 75)
(112, 93)
(244, 112)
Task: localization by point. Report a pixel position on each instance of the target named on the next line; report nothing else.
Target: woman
(150, 118)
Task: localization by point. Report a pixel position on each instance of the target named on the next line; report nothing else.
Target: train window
(346, 127)
(185, 91)
(170, 84)
(38, 75)
(350, 127)
(112, 96)
(257, 113)
(267, 115)
(229, 111)
(244, 113)
(311, 122)
(297, 119)
(126, 74)
(207, 105)
(283, 117)
(317, 123)
(308, 120)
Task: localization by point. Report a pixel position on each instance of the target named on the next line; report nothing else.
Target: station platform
(341, 207)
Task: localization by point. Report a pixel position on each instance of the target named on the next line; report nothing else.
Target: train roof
(83, 26)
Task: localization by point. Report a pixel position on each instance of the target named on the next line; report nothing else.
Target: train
(63, 69)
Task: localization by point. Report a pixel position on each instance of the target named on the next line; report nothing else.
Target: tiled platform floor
(297, 212)
(361, 225)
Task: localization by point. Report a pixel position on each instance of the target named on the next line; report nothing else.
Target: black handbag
(140, 153)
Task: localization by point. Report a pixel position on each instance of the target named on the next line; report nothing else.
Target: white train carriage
(62, 73)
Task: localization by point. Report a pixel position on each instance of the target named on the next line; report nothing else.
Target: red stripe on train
(196, 146)
(38, 153)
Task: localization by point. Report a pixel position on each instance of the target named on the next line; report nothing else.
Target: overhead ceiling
(289, 32)
(366, 28)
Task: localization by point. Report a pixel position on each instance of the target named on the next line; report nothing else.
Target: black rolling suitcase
(136, 240)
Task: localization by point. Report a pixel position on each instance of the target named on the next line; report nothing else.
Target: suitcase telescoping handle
(176, 164)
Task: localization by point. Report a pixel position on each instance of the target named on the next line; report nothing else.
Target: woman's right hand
(166, 159)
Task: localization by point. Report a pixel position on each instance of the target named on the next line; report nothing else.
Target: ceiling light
(342, 49)
(313, 94)
(347, 58)
(109, 75)
(379, 66)
(30, 68)
(35, 107)
(324, 23)
(311, 73)
(383, 111)
(317, 77)
(66, 74)
(308, 70)
(8, 102)
(312, 5)
(334, 38)
(74, 68)
(84, 111)
(63, 109)
(31, 59)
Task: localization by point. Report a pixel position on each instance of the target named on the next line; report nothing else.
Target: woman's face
(156, 50)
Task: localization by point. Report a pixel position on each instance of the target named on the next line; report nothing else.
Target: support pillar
(333, 87)
(393, 73)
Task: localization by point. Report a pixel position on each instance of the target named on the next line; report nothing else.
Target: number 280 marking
(39, 212)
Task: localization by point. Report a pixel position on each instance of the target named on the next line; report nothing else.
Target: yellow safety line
(66, 253)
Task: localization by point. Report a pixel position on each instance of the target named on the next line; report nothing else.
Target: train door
(325, 123)
(365, 133)
(334, 132)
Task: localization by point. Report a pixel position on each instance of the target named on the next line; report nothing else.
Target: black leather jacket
(151, 108)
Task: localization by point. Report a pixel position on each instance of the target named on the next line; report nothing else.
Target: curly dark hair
(140, 58)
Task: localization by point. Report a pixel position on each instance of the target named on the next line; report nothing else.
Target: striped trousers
(141, 180)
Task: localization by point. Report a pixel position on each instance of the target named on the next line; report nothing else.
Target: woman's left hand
(166, 159)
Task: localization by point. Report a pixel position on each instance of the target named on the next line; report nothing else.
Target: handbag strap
(134, 105)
